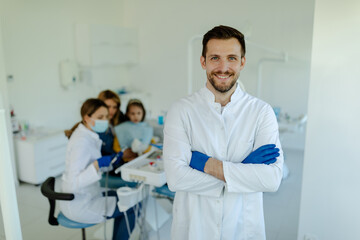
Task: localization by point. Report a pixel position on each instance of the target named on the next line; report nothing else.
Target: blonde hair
(108, 94)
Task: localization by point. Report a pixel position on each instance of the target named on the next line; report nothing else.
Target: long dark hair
(88, 108)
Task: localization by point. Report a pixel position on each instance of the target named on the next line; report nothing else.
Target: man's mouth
(222, 76)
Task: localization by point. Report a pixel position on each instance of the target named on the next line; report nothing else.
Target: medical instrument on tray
(116, 157)
(159, 146)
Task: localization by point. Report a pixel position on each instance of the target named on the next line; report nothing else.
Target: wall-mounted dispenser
(69, 73)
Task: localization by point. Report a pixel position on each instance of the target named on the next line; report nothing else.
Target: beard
(223, 88)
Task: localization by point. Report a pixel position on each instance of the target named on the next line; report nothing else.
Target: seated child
(135, 134)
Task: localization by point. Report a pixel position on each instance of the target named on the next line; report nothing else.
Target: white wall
(165, 28)
(4, 104)
(37, 36)
(330, 191)
(9, 209)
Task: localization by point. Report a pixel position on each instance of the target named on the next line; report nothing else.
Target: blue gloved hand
(105, 162)
(198, 160)
(265, 154)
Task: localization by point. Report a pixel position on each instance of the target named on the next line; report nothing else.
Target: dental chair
(48, 190)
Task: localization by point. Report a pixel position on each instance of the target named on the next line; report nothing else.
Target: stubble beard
(223, 88)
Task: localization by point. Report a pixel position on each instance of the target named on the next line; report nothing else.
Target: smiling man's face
(223, 63)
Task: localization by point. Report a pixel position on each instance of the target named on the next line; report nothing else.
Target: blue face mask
(100, 125)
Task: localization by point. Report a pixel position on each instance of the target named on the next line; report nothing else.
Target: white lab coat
(82, 179)
(206, 208)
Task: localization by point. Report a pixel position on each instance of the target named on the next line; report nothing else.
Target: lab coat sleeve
(82, 168)
(177, 153)
(257, 177)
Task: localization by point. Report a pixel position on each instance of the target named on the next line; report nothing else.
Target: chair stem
(83, 234)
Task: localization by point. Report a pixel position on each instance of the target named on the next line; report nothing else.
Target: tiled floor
(281, 211)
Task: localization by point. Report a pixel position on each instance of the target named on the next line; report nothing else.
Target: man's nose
(223, 65)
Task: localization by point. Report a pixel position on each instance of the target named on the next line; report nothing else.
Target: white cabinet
(40, 156)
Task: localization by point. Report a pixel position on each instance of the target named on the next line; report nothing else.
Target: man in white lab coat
(221, 150)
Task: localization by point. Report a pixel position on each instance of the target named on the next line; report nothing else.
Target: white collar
(210, 97)
(93, 134)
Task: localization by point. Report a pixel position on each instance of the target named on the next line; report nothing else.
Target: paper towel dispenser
(69, 73)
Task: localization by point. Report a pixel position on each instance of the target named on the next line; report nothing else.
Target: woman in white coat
(83, 170)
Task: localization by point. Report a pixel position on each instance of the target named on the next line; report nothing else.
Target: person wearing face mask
(116, 116)
(84, 166)
(110, 143)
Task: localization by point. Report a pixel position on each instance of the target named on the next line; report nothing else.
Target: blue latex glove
(105, 161)
(109, 160)
(198, 160)
(265, 154)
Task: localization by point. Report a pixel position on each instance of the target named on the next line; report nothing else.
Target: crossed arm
(258, 172)
(265, 154)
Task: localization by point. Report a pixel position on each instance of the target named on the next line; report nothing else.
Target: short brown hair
(223, 32)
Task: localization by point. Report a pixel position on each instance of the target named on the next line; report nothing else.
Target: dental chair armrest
(47, 189)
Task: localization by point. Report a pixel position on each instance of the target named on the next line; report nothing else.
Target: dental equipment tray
(148, 168)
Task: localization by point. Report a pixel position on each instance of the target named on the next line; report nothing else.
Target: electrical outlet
(310, 237)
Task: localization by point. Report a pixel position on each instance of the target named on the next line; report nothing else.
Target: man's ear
(242, 64)
(203, 62)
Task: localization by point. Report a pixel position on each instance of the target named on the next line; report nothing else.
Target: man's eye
(232, 58)
(214, 58)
